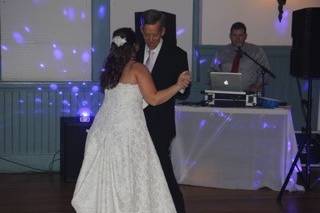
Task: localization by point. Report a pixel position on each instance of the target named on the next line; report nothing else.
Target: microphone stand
(263, 68)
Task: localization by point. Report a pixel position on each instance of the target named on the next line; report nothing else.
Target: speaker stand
(304, 144)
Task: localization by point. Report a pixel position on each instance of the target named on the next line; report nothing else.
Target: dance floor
(47, 193)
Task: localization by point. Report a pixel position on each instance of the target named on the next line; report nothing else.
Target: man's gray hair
(152, 16)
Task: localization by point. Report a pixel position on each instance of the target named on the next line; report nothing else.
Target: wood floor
(47, 193)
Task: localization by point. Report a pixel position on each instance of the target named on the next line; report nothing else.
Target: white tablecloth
(234, 148)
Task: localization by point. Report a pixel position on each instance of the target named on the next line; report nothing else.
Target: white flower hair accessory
(119, 41)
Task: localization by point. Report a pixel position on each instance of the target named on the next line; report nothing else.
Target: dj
(230, 58)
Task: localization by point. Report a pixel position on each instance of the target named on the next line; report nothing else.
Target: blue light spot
(180, 32)
(75, 89)
(202, 61)
(66, 111)
(84, 103)
(141, 21)
(265, 125)
(69, 13)
(85, 57)
(27, 29)
(83, 15)
(289, 146)
(196, 52)
(229, 118)
(60, 92)
(42, 67)
(283, 26)
(221, 114)
(66, 102)
(74, 51)
(216, 61)
(54, 45)
(4, 47)
(202, 123)
(37, 100)
(21, 101)
(83, 83)
(18, 37)
(39, 89)
(84, 111)
(58, 54)
(102, 11)
(69, 82)
(95, 88)
(53, 86)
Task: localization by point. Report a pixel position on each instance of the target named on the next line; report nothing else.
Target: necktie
(149, 60)
(149, 66)
(236, 62)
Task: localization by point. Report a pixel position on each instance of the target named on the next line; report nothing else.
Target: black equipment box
(229, 99)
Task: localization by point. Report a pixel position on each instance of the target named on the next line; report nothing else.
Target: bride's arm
(149, 91)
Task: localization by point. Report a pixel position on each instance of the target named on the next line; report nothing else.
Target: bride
(121, 172)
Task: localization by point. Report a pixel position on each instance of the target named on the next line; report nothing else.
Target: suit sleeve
(182, 65)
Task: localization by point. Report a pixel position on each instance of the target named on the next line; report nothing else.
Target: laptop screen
(226, 81)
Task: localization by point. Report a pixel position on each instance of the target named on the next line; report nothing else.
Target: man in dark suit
(165, 61)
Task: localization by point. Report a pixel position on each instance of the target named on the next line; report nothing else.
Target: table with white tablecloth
(234, 148)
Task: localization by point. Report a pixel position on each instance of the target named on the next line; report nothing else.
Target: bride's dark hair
(122, 50)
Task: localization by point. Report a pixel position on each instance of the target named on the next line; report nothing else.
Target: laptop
(226, 81)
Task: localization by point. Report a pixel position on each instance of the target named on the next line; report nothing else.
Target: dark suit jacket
(170, 62)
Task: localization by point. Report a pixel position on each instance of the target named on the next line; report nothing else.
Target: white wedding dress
(121, 172)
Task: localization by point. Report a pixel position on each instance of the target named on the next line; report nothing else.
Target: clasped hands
(184, 79)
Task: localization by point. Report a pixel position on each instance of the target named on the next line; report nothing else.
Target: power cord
(50, 167)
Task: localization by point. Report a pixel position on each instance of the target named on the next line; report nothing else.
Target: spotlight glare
(84, 114)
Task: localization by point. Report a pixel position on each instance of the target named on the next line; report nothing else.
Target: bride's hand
(184, 79)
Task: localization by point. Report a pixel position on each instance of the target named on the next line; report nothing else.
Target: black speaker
(305, 50)
(170, 35)
(73, 134)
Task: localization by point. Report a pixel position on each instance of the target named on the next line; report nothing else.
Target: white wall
(122, 15)
(260, 17)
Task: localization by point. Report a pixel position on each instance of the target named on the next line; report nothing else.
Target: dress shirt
(251, 72)
(155, 52)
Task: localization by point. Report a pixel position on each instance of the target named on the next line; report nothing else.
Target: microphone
(239, 51)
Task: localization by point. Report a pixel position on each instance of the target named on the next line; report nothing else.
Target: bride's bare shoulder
(138, 65)
(138, 68)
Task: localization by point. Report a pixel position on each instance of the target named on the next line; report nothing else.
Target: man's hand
(184, 79)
